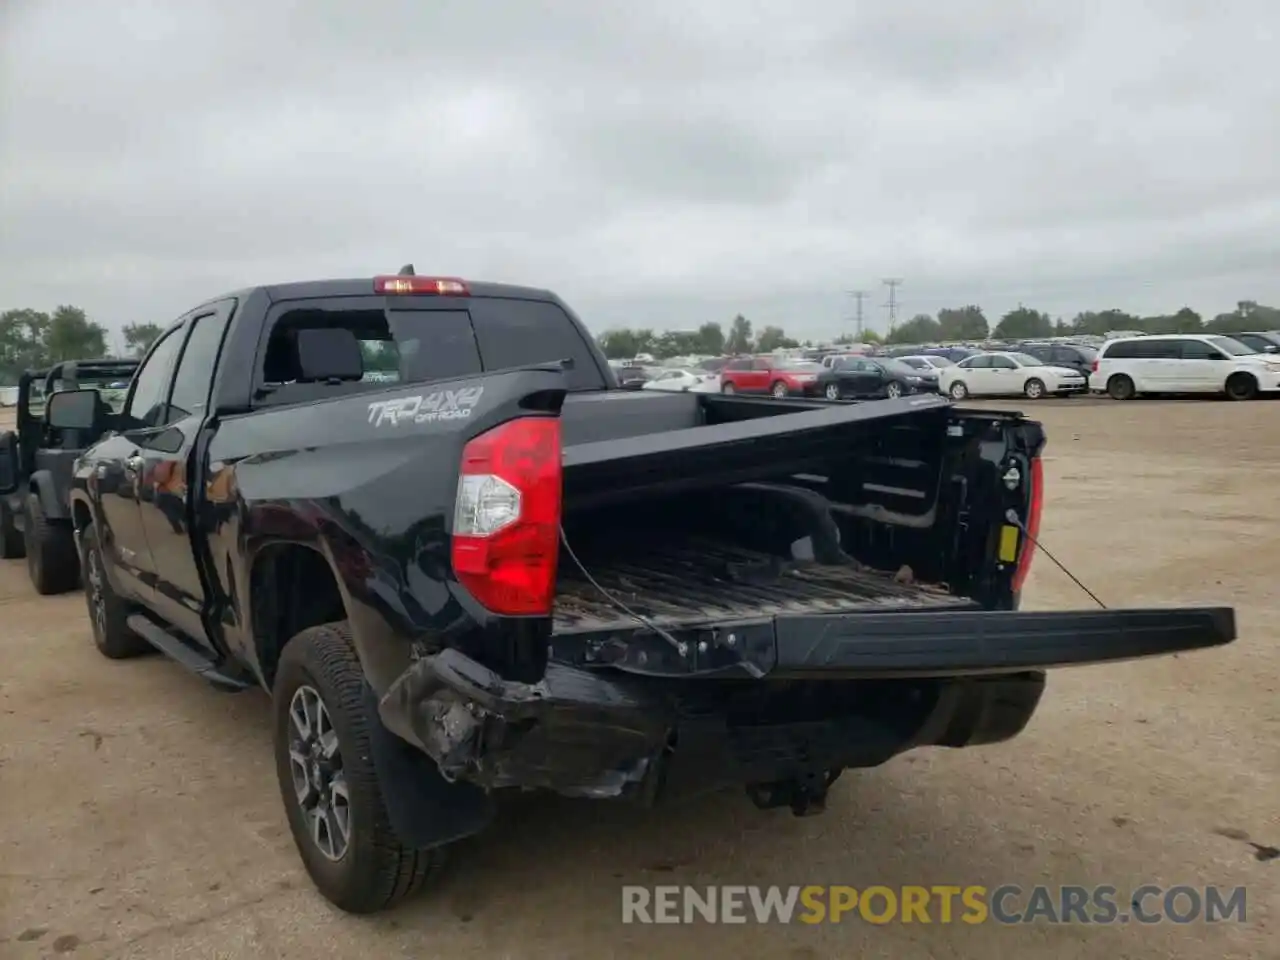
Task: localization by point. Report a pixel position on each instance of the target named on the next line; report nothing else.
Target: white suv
(1183, 363)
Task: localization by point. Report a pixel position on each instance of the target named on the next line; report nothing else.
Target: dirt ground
(142, 819)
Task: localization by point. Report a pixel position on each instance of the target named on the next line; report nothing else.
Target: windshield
(1231, 346)
(1025, 360)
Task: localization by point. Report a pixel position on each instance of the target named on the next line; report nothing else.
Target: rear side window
(1152, 349)
(514, 333)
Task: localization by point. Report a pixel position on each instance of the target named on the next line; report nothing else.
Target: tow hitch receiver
(806, 795)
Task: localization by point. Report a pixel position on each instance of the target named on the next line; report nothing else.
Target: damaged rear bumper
(777, 700)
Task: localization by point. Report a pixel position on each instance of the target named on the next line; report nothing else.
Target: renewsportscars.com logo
(1006, 904)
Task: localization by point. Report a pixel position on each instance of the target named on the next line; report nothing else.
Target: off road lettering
(426, 408)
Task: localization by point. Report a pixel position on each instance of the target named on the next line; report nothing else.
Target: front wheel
(779, 389)
(958, 391)
(1242, 386)
(108, 614)
(51, 550)
(331, 793)
(831, 391)
(726, 388)
(1034, 389)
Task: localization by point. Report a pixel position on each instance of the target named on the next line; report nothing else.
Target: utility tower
(893, 283)
(859, 296)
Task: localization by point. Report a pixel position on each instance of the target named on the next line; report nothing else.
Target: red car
(780, 377)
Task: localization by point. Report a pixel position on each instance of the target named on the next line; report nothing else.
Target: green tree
(623, 344)
(73, 336)
(739, 339)
(963, 323)
(774, 338)
(921, 328)
(710, 339)
(22, 342)
(139, 336)
(1023, 323)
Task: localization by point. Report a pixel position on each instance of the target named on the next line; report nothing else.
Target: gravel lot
(141, 814)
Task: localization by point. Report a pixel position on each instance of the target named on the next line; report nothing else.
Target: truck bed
(694, 580)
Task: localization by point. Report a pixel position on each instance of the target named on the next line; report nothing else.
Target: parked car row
(1240, 366)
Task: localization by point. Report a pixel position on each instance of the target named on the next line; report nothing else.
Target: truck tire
(11, 545)
(324, 756)
(51, 551)
(108, 614)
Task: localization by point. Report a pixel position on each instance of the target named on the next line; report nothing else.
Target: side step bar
(186, 653)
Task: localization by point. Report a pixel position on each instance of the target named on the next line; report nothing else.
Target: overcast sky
(658, 163)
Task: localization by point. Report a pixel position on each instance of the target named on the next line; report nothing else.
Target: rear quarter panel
(367, 481)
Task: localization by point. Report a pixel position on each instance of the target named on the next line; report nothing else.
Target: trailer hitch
(806, 795)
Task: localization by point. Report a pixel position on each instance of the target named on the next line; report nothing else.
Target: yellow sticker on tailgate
(1008, 544)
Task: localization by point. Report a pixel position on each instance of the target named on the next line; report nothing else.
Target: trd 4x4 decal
(426, 408)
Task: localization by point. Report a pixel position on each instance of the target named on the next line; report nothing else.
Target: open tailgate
(952, 643)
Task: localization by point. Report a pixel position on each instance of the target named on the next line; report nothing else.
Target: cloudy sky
(657, 163)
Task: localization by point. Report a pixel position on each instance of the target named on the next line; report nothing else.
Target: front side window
(147, 405)
(195, 370)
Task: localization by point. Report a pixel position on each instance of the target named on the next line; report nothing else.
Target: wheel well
(1242, 374)
(291, 588)
(80, 515)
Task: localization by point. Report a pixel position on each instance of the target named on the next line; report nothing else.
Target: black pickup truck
(501, 571)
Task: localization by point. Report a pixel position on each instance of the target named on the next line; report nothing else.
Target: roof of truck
(363, 286)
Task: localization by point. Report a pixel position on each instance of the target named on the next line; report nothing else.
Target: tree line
(953, 323)
(33, 339)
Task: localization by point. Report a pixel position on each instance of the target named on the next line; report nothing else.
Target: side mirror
(73, 409)
(329, 353)
(8, 462)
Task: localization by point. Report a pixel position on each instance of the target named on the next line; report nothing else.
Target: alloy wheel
(319, 781)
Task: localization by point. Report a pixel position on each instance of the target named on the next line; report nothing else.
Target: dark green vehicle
(36, 462)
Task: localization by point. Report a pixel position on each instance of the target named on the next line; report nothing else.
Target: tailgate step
(913, 643)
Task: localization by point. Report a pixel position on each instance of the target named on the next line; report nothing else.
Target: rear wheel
(893, 390)
(1120, 387)
(1033, 388)
(726, 388)
(11, 545)
(51, 551)
(958, 391)
(324, 763)
(831, 391)
(1242, 386)
(779, 389)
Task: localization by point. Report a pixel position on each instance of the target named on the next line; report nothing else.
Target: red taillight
(506, 522)
(1095, 366)
(428, 286)
(1034, 508)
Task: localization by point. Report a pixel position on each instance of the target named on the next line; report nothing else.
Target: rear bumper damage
(776, 704)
